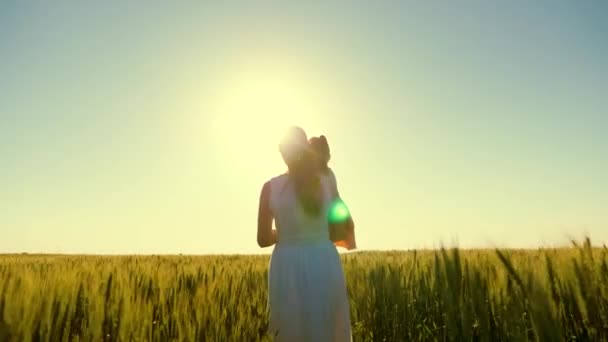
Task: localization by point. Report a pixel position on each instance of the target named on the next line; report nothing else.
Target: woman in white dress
(307, 290)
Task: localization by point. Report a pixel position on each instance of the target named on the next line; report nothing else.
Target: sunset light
(253, 107)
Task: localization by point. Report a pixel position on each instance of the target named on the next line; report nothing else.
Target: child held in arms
(341, 224)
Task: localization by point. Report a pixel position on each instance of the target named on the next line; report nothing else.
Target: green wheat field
(432, 295)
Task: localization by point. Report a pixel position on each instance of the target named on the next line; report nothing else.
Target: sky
(149, 127)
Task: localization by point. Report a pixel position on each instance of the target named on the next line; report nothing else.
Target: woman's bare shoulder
(276, 178)
(277, 181)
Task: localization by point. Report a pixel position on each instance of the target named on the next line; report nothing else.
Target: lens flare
(338, 212)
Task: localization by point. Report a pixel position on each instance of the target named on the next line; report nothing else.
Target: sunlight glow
(254, 108)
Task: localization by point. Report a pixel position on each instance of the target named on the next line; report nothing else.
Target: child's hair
(320, 147)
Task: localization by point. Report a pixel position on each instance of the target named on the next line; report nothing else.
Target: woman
(341, 227)
(307, 290)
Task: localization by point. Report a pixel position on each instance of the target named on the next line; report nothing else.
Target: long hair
(303, 172)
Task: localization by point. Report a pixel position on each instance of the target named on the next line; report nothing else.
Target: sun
(254, 108)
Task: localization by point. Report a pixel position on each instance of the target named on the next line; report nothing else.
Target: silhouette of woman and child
(307, 300)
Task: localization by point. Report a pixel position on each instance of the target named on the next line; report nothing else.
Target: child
(341, 227)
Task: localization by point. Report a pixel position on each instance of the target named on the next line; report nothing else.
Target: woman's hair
(303, 169)
(305, 176)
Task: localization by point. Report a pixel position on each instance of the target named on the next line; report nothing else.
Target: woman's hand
(266, 235)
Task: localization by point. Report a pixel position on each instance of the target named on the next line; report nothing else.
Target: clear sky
(150, 127)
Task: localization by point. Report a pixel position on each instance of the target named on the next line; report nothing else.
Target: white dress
(307, 290)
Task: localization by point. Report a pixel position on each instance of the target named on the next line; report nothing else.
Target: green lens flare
(338, 212)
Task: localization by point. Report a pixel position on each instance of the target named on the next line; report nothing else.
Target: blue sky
(149, 127)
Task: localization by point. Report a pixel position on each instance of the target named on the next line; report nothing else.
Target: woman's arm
(266, 235)
(342, 234)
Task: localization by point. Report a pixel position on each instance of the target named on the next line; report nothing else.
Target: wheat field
(434, 295)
